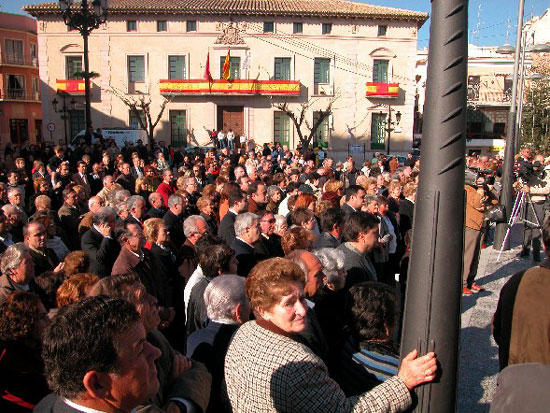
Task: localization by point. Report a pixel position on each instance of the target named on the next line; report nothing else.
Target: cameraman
(536, 182)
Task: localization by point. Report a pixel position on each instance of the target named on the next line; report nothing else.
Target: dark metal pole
(432, 308)
(519, 119)
(85, 35)
(65, 115)
(506, 195)
(389, 129)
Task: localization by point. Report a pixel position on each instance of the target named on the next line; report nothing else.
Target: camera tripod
(522, 202)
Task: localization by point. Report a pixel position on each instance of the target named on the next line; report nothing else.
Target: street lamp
(84, 19)
(390, 125)
(64, 110)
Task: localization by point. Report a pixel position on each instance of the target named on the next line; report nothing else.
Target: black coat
(103, 252)
(246, 256)
(174, 224)
(226, 229)
(326, 240)
(44, 263)
(406, 212)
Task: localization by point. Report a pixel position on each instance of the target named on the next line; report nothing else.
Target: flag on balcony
(226, 72)
(207, 74)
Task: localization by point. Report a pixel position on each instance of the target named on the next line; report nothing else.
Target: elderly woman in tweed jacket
(269, 369)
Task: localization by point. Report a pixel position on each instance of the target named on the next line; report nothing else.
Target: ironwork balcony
(382, 90)
(18, 59)
(232, 87)
(19, 94)
(70, 87)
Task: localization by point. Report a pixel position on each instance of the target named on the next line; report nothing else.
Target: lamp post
(64, 110)
(390, 125)
(85, 19)
(506, 195)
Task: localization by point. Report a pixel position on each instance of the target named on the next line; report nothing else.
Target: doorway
(231, 117)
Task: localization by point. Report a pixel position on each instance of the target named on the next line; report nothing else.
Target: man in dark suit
(406, 208)
(125, 179)
(136, 209)
(99, 243)
(136, 171)
(331, 225)
(355, 198)
(269, 244)
(96, 178)
(247, 230)
(237, 204)
(75, 343)
(44, 259)
(173, 219)
(81, 178)
(69, 215)
(157, 209)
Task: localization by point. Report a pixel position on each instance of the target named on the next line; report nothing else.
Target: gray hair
(272, 190)
(244, 221)
(279, 220)
(121, 207)
(102, 215)
(296, 257)
(122, 195)
(175, 199)
(12, 257)
(222, 295)
(133, 201)
(190, 225)
(370, 198)
(94, 200)
(333, 261)
(13, 190)
(9, 209)
(152, 196)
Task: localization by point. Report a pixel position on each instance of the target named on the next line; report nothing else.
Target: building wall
(21, 104)
(352, 45)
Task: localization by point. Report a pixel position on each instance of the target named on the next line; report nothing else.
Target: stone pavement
(478, 357)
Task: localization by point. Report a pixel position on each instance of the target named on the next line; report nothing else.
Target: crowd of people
(205, 280)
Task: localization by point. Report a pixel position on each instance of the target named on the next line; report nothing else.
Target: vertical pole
(389, 129)
(85, 33)
(506, 195)
(432, 307)
(519, 120)
(65, 115)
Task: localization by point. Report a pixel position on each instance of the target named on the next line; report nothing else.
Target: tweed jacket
(268, 372)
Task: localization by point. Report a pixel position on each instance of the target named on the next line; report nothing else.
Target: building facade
(357, 57)
(489, 92)
(20, 107)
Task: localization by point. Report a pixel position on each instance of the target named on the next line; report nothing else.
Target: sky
(492, 21)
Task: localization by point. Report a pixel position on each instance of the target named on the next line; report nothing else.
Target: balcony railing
(382, 90)
(231, 87)
(18, 59)
(18, 94)
(70, 87)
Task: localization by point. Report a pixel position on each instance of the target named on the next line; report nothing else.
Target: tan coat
(474, 217)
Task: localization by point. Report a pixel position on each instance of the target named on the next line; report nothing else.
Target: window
(281, 128)
(14, 51)
(73, 65)
(380, 71)
(77, 121)
(473, 87)
(35, 88)
(297, 28)
(382, 30)
(136, 68)
(507, 89)
(131, 26)
(134, 119)
(377, 131)
(34, 57)
(19, 130)
(321, 70)
(282, 68)
(268, 27)
(38, 130)
(322, 133)
(191, 26)
(234, 67)
(16, 86)
(178, 127)
(176, 67)
(162, 26)
(326, 28)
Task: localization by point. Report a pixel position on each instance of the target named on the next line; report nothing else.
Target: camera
(528, 170)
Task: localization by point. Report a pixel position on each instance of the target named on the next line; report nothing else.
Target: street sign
(51, 126)
(356, 148)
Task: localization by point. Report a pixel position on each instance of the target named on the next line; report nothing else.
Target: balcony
(382, 90)
(233, 87)
(70, 87)
(19, 94)
(18, 60)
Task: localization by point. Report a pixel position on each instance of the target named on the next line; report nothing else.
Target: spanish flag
(207, 75)
(226, 72)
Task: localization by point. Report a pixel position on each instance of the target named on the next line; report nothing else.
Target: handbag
(496, 214)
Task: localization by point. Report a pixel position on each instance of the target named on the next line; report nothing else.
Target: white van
(119, 135)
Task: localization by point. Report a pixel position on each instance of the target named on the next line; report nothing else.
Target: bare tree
(141, 104)
(304, 129)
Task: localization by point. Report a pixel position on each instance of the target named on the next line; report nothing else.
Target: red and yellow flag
(226, 72)
(207, 74)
